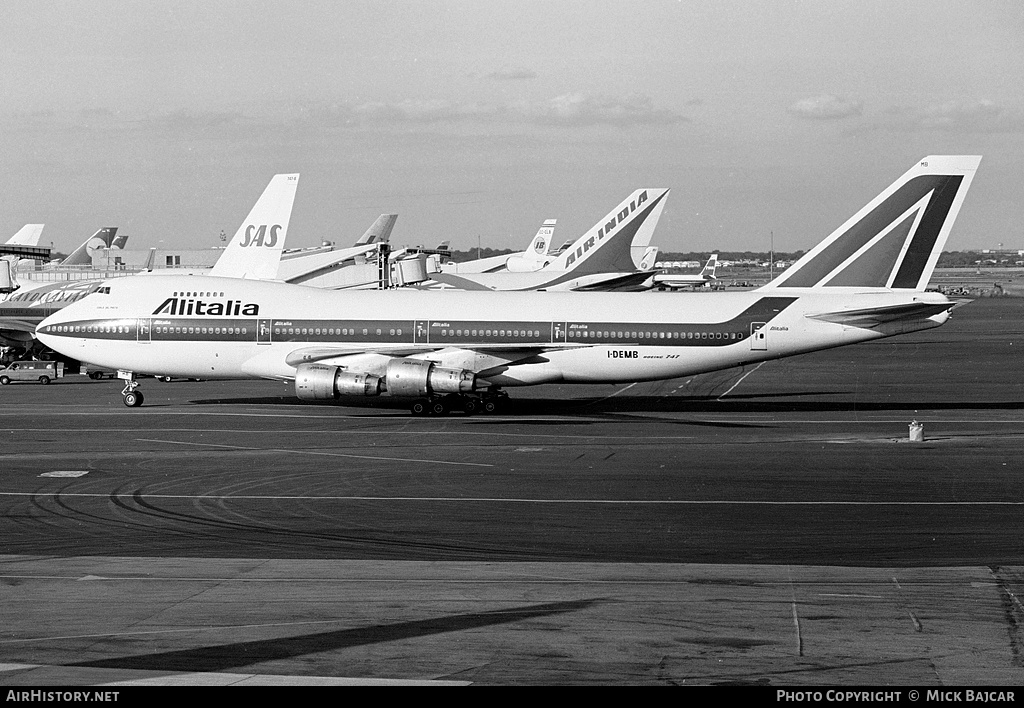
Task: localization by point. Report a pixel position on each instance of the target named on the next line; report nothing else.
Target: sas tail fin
(255, 249)
(619, 241)
(894, 241)
(380, 230)
(83, 254)
(28, 235)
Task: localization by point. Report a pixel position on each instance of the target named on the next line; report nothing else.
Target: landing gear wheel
(439, 408)
(490, 405)
(96, 375)
(420, 407)
(471, 406)
(133, 399)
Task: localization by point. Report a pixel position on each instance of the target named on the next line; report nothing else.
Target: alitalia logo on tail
(188, 306)
(255, 236)
(607, 229)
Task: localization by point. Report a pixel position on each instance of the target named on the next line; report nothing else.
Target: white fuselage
(226, 328)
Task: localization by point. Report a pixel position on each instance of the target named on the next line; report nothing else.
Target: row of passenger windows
(490, 332)
(99, 329)
(329, 331)
(201, 330)
(606, 334)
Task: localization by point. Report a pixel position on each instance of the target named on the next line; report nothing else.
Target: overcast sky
(475, 121)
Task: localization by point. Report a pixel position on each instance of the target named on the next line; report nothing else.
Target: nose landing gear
(132, 398)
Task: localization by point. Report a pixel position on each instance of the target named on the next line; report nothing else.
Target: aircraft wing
(875, 316)
(309, 355)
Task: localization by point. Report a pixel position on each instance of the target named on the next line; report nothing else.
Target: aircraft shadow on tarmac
(223, 657)
(824, 402)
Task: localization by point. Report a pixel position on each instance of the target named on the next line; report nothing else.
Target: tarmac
(773, 526)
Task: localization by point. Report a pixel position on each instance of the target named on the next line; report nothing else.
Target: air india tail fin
(255, 250)
(894, 241)
(619, 241)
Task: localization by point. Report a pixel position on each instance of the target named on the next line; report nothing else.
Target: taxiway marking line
(509, 500)
(292, 451)
(741, 380)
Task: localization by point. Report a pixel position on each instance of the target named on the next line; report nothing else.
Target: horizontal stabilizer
(622, 282)
(875, 316)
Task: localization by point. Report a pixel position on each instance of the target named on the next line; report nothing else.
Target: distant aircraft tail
(894, 241)
(650, 256)
(710, 267)
(255, 249)
(380, 230)
(536, 255)
(83, 254)
(540, 246)
(28, 235)
(119, 241)
(619, 241)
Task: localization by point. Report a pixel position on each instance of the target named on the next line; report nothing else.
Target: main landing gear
(132, 398)
(491, 402)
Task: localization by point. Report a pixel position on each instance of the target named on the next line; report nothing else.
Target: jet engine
(319, 382)
(418, 377)
(518, 264)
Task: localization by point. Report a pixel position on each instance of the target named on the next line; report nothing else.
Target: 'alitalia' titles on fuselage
(189, 306)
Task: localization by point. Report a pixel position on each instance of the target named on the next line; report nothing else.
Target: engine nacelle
(418, 377)
(315, 382)
(518, 264)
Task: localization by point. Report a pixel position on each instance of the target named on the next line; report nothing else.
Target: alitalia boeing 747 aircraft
(447, 350)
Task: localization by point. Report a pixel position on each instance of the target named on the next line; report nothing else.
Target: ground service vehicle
(42, 371)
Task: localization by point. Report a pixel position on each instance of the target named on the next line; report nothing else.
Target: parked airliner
(254, 251)
(606, 257)
(448, 350)
(682, 280)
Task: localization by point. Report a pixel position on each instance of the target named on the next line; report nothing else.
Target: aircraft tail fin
(83, 254)
(255, 249)
(540, 246)
(650, 256)
(28, 235)
(119, 241)
(894, 241)
(380, 230)
(618, 242)
(710, 267)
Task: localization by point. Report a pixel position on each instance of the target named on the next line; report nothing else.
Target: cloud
(512, 75)
(826, 107)
(980, 116)
(576, 109)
